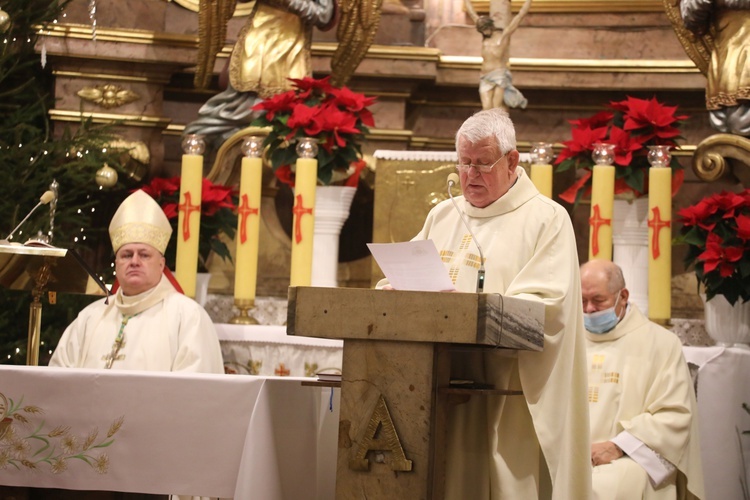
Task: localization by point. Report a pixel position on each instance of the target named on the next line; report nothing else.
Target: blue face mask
(602, 321)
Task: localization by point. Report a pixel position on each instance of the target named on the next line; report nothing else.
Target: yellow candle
(660, 243)
(248, 229)
(602, 205)
(303, 222)
(189, 222)
(541, 176)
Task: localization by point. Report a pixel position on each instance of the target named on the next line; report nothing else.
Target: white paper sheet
(412, 265)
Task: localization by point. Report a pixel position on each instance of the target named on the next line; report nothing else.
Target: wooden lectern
(40, 269)
(396, 375)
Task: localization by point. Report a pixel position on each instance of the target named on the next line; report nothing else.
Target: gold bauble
(4, 21)
(106, 176)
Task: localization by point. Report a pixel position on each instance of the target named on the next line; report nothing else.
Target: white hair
(489, 123)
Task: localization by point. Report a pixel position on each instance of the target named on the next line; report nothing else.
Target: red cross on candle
(657, 224)
(188, 209)
(244, 211)
(282, 371)
(596, 221)
(298, 211)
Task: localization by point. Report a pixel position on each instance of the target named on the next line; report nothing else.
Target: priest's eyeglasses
(484, 169)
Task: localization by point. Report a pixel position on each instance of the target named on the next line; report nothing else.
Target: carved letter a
(380, 424)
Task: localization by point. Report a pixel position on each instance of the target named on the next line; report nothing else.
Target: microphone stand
(480, 273)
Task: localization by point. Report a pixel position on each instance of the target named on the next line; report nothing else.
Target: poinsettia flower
(600, 119)
(215, 197)
(159, 186)
(337, 121)
(583, 140)
(302, 116)
(698, 214)
(728, 202)
(625, 145)
(170, 210)
(743, 226)
(717, 255)
(349, 100)
(279, 103)
(284, 174)
(309, 85)
(657, 118)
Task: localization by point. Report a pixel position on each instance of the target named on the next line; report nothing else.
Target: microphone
(452, 181)
(43, 200)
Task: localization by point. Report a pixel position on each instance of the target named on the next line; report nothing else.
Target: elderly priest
(644, 430)
(148, 324)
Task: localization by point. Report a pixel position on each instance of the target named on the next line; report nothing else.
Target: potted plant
(336, 117)
(631, 125)
(717, 233)
(218, 215)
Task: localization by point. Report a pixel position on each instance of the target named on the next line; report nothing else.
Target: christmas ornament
(4, 21)
(106, 176)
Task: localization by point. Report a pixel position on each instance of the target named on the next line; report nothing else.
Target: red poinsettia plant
(717, 232)
(218, 215)
(631, 125)
(337, 117)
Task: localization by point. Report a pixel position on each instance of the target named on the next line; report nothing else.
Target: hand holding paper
(412, 265)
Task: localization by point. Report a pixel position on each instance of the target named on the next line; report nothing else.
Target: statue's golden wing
(698, 48)
(358, 23)
(213, 16)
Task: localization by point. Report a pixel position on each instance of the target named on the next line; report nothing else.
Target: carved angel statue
(273, 46)
(496, 88)
(716, 36)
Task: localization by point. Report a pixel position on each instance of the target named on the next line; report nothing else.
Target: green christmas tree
(32, 156)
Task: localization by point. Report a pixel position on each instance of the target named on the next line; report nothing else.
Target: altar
(167, 433)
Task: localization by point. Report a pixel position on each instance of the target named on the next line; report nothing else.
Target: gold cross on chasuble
(598, 377)
(455, 258)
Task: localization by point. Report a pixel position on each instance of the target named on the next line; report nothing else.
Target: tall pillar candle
(248, 224)
(602, 203)
(541, 167)
(305, 180)
(541, 176)
(660, 235)
(188, 220)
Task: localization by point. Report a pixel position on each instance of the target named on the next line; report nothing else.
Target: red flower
(743, 227)
(336, 117)
(583, 142)
(719, 256)
(625, 145)
(649, 114)
(698, 213)
(570, 194)
(601, 119)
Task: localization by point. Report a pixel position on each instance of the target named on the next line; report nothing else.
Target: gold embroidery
(597, 377)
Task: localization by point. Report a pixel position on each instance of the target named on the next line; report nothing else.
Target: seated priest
(534, 445)
(644, 429)
(147, 324)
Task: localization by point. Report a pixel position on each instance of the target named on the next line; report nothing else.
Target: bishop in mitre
(147, 324)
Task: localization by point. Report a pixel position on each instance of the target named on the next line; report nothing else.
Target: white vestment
(640, 390)
(164, 331)
(494, 442)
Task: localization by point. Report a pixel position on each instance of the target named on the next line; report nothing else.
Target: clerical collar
(135, 304)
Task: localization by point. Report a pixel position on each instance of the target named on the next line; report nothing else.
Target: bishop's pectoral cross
(598, 377)
(119, 342)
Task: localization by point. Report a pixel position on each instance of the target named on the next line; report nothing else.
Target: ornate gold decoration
(483, 6)
(108, 95)
(709, 159)
(212, 31)
(698, 49)
(381, 425)
(242, 9)
(356, 30)
(24, 449)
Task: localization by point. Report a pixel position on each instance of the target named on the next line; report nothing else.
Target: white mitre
(140, 220)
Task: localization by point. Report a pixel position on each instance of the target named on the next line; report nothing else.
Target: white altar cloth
(166, 433)
(268, 350)
(722, 387)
